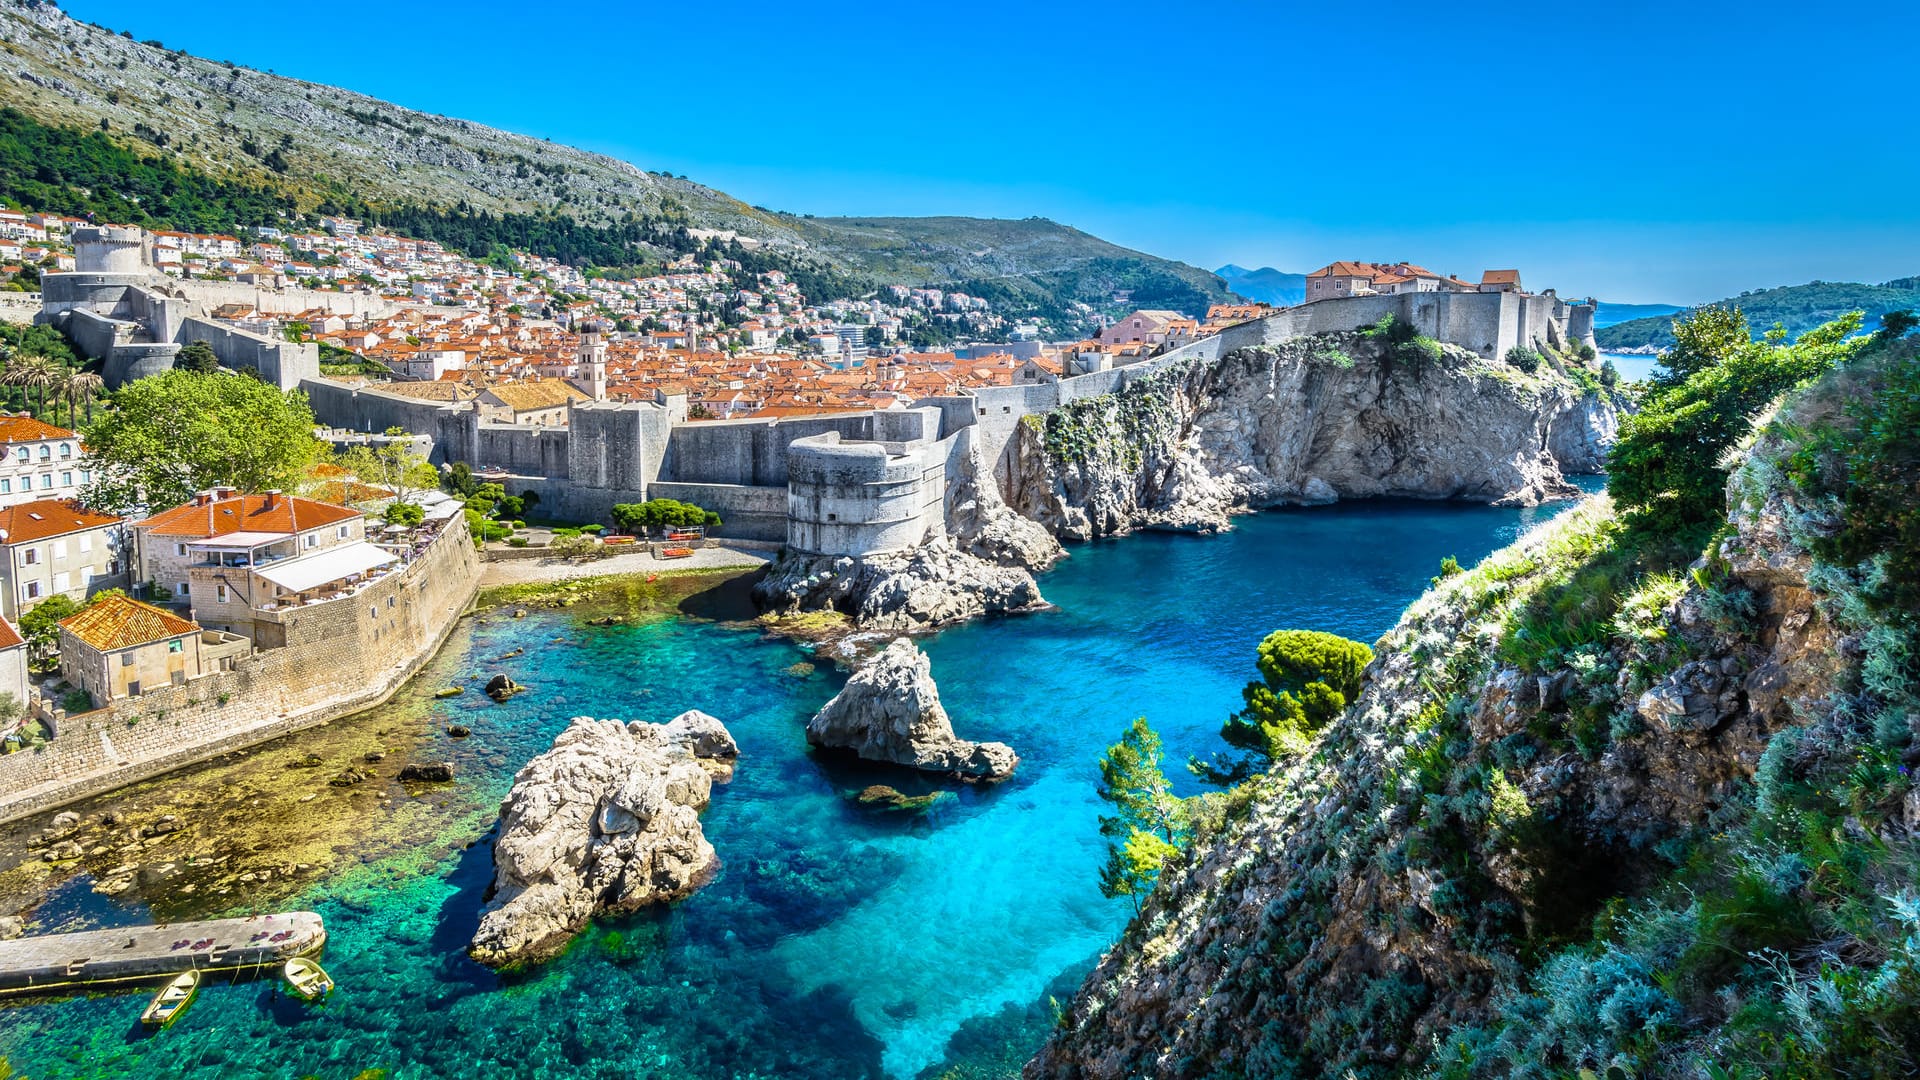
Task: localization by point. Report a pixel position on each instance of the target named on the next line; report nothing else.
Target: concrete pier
(55, 962)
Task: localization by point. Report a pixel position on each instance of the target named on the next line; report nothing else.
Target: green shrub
(1524, 359)
(594, 529)
(517, 541)
(1307, 678)
(657, 513)
(76, 701)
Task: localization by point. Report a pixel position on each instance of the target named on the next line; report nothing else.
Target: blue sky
(1671, 152)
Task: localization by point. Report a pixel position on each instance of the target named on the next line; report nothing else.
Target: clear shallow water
(836, 942)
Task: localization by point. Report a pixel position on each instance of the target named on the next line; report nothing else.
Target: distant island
(1797, 307)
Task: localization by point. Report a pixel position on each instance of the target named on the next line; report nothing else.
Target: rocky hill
(1276, 287)
(317, 142)
(1633, 794)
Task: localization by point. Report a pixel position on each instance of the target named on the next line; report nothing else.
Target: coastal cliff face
(607, 821)
(1311, 420)
(1686, 841)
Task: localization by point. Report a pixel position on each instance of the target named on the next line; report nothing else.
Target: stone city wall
(284, 364)
(342, 657)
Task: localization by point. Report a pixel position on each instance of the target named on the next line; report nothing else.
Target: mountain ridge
(313, 141)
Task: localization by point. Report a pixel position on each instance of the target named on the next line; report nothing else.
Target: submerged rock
(890, 711)
(432, 772)
(882, 797)
(502, 687)
(607, 821)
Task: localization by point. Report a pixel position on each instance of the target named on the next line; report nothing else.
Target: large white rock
(890, 711)
(607, 820)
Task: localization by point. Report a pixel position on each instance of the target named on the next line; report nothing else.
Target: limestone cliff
(1515, 856)
(607, 821)
(1309, 421)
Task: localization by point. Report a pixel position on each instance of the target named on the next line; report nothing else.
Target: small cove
(837, 941)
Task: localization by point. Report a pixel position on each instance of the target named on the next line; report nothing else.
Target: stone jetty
(56, 962)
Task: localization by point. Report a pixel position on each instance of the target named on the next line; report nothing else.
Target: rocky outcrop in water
(1311, 420)
(890, 711)
(607, 821)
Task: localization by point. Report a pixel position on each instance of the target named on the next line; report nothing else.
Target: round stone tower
(110, 249)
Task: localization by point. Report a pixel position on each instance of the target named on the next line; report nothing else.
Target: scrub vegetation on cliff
(1633, 793)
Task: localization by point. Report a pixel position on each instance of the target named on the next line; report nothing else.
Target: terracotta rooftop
(15, 429)
(205, 517)
(9, 637)
(118, 621)
(43, 518)
(534, 394)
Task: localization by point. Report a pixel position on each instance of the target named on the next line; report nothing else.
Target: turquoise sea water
(836, 941)
(1633, 367)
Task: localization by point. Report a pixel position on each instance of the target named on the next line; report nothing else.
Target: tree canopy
(170, 435)
(1149, 823)
(1307, 677)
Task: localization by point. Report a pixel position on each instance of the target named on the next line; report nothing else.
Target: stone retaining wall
(341, 660)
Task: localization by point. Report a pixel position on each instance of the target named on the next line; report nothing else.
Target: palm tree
(82, 386)
(28, 372)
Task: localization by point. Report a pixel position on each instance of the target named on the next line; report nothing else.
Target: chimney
(271, 496)
(202, 498)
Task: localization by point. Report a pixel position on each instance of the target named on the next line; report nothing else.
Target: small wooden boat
(171, 1001)
(308, 981)
(449, 691)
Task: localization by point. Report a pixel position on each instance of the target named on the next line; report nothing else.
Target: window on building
(6, 487)
(46, 452)
(66, 451)
(31, 557)
(32, 590)
(59, 549)
(66, 479)
(343, 532)
(220, 593)
(180, 589)
(86, 542)
(176, 645)
(313, 539)
(23, 454)
(46, 481)
(61, 582)
(126, 659)
(179, 549)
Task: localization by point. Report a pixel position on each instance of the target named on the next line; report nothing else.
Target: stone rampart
(284, 364)
(341, 657)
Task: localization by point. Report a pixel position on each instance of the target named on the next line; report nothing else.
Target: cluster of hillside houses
(214, 572)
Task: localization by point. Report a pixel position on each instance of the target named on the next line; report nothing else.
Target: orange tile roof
(43, 518)
(9, 637)
(15, 429)
(246, 513)
(1500, 277)
(117, 621)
